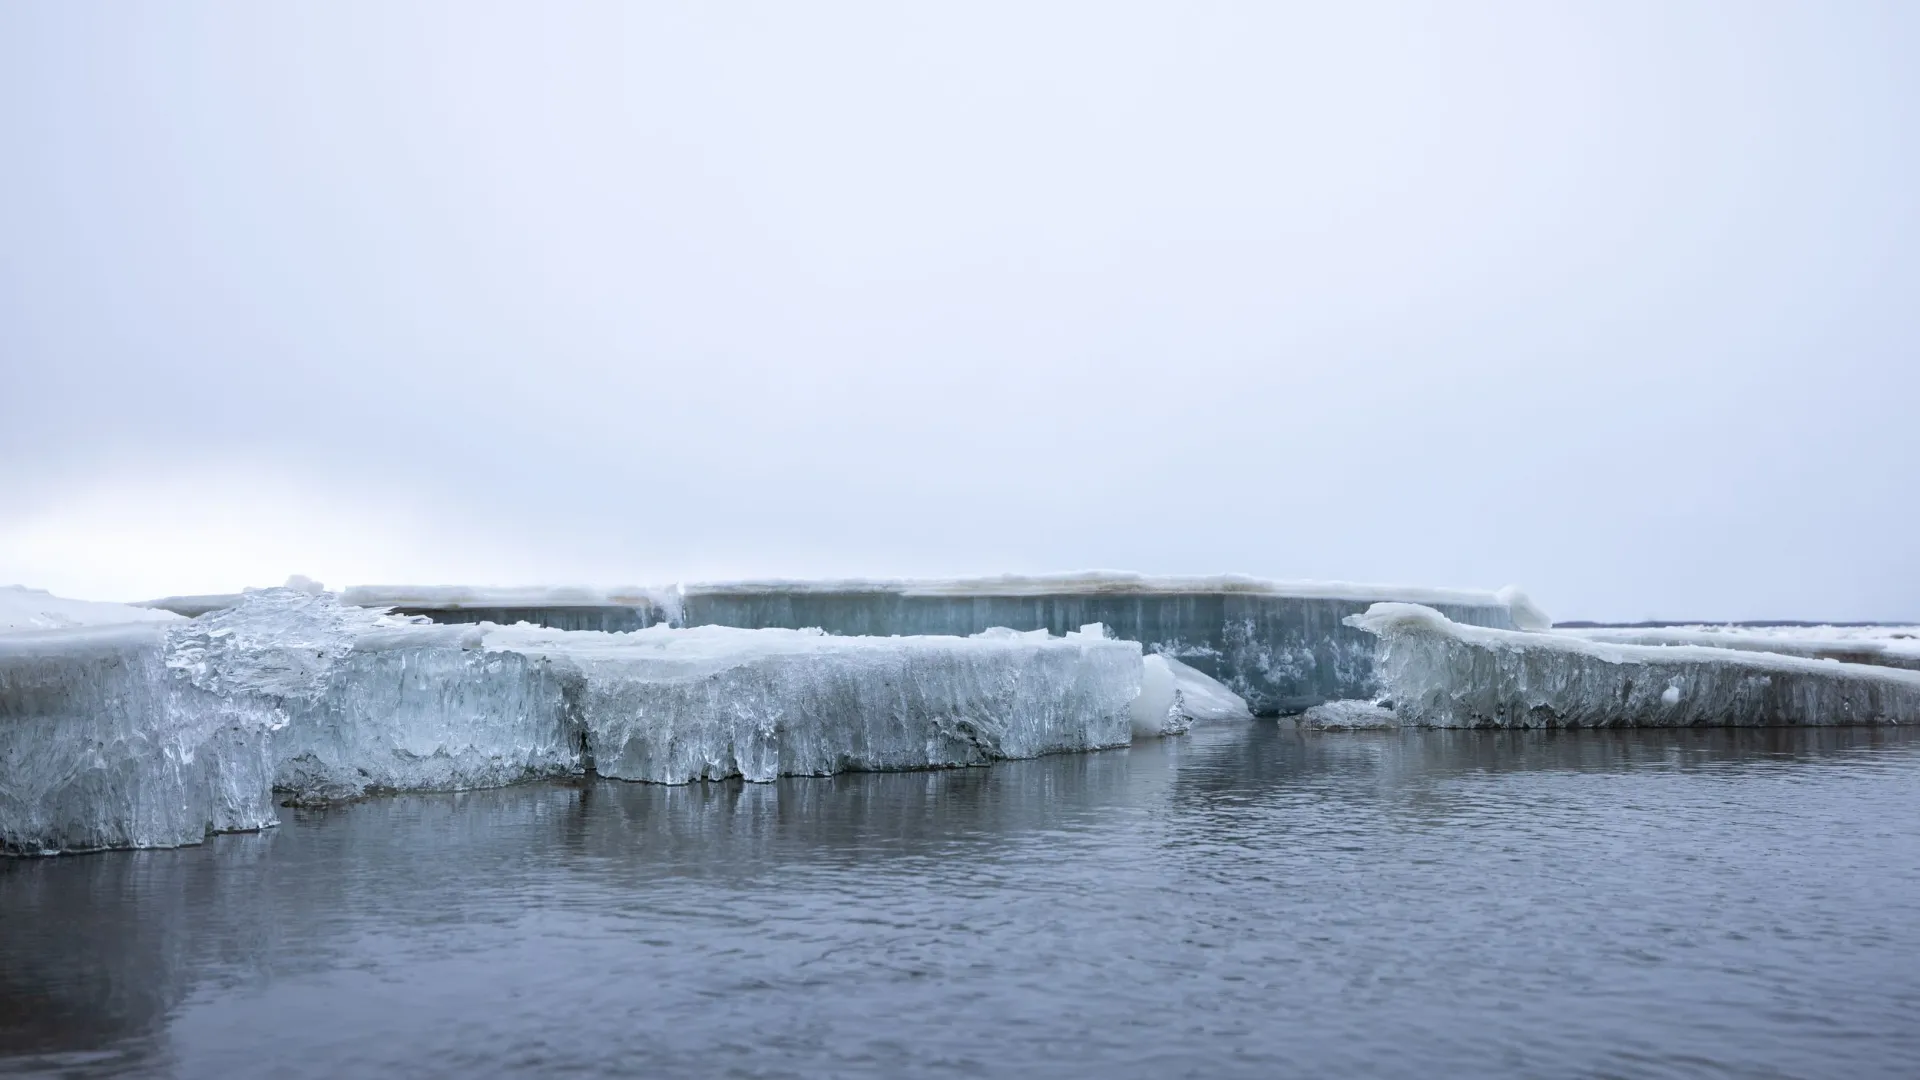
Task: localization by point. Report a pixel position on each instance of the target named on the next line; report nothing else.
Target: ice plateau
(1438, 673)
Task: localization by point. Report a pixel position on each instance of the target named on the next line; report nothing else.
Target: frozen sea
(1242, 901)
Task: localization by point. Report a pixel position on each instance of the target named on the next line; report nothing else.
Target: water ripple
(1249, 901)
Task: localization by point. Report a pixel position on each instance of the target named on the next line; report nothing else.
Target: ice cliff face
(104, 744)
(1441, 674)
(1280, 646)
(404, 706)
(671, 706)
(378, 703)
(427, 716)
(156, 735)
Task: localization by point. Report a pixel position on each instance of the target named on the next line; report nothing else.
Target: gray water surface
(1244, 901)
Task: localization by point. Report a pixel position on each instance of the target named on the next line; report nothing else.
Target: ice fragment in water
(1173, 697)
(1349, 715)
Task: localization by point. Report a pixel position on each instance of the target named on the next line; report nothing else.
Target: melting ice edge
(157, 734)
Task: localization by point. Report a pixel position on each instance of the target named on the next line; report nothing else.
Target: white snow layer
(1889, 646)
(486, 596)
(1440, 673)
(1526, 614)
(676, 705)
(22, 608)
(192, 606)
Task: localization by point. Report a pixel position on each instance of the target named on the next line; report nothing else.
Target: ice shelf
(675, 705)
(1281, 646)
(629, 607)
(1439, 673)
(22, 608)
(153, 734)
(132, 727)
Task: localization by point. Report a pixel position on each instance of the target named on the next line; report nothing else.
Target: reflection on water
(1243, 901)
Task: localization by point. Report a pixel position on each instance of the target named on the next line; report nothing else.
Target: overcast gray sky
(1617, 301)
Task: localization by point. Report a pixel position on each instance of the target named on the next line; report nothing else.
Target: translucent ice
(427, 717)
(377, 703)
(103, 745)
(1173, 697)
(675, 705)
(1279, 645)
(1349, 715)
(1441, 674)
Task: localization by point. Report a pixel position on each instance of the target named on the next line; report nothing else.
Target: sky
(1619, 302)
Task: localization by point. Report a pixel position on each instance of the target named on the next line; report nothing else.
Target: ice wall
(675, 705)
(426, 716)
(104, 744)
(376, 703)
(148, 735)
(1281, 646)
(1439, 673)
(630, 607)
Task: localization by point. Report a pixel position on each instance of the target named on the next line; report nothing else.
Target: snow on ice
(1439, 673)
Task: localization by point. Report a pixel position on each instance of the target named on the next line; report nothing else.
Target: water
(1246, 901)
